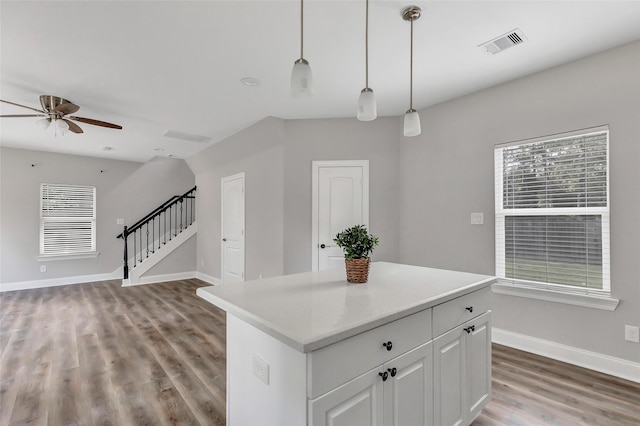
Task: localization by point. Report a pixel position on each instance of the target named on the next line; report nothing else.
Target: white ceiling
(152, 66)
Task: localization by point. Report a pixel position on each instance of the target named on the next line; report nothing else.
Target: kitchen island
(411, 346)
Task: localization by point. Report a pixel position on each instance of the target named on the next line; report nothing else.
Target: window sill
(585, 300)
(54, 257)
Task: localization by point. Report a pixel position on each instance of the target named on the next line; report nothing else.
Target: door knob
(224, 239)
(322, 246)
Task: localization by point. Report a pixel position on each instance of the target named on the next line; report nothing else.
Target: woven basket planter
(357, 270)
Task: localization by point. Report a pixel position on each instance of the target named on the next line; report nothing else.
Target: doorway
(340, 199)
(232, 228)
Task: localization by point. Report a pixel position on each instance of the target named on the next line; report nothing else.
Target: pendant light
(411, 117)
(301, 78)
(367, 110)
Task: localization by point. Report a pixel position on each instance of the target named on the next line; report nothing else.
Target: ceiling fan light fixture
(62, 125)
(367, 109)
(44, 123)
(412, 123)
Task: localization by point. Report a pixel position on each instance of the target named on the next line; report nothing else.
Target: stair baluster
(168, 209)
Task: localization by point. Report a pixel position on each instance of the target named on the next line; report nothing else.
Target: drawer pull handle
(470, 329)
(469, 308)
(384, 376)
(393, 371)
(388, 345)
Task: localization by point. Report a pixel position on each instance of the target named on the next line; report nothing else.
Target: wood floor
(100, 354)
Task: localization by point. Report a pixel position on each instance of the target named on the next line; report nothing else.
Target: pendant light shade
(411, 123)
(301, 77)
(367, 109)
(411, 117)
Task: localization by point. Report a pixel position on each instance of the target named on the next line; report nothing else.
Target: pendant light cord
(301, 28)
(411, 71)
(366, 47)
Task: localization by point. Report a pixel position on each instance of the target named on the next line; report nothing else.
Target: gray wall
(124, 190)
(447, 173)
(256, 151)
(182, 259)
(276, 157)
(340, 139)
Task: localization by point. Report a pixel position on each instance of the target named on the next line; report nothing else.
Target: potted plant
(357, 244)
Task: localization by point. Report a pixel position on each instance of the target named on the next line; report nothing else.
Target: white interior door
(232, 229)
(340, 200)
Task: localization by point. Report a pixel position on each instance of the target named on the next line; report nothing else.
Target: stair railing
(169, 219)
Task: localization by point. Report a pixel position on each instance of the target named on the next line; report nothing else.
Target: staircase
(156, 235)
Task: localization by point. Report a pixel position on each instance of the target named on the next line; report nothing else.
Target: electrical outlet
(43, 268)
(261, 368)
(631, 333)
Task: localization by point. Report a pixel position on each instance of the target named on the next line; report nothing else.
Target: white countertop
(314, 309)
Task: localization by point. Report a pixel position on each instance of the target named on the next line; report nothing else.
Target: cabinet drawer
(451, 314)
(342, 361)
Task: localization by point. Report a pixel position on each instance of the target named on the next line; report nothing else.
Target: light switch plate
(631, 333)
(119, 221)
(477, 218)
(261, 368)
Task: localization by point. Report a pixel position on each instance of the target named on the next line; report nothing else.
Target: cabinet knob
(469, 308)
(470, 329)
(384, 376)
(322, 246)
(393, 371)
(388, 345)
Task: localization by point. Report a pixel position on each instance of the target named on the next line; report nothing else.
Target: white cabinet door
(408, 391)
(462, 372)
(449, 365)
(358, 402)
(478, 364)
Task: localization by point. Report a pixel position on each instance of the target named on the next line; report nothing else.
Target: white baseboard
(161, 278)
(208, 278)
(55, 282)
(618, 367)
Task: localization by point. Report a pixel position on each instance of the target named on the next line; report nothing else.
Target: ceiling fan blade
(95, 122)
(73, 126)
(66, 108)
(22, 106)
(24, 115)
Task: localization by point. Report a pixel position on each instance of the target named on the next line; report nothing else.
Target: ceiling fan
(56, 110)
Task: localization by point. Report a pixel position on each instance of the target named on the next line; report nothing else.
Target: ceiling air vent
(505, 41)
(185, 136)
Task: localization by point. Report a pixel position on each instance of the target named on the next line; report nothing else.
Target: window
(67, 220)
(552, 213)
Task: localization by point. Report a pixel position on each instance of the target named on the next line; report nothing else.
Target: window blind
(67, 219)
(552, 211)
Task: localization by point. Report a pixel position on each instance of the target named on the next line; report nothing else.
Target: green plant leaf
(356, 242)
